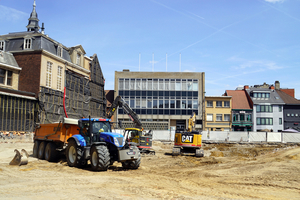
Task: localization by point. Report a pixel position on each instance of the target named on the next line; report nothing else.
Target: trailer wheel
(36, 148)
(50, 152)
(41, 151)
(100, 158)
(132, 164)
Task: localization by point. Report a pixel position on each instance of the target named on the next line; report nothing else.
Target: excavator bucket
(20, 158)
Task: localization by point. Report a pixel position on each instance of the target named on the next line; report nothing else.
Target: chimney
(277, 85)
(246, 87)
(272, 87)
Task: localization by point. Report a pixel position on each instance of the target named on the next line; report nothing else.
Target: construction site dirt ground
(227, 171)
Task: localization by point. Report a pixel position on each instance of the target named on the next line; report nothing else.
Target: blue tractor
(96, 143)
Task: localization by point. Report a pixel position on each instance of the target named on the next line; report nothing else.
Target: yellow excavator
(189, 141)
(135, 135)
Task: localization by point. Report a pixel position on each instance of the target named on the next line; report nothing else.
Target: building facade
(241, 110)
(163, 100)
(267, 108)
(217, 113)
(62, 80)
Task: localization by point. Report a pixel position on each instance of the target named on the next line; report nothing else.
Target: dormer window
(60, 51)
(5, 77)
(2, 45)
(78, 59)
(27, 43)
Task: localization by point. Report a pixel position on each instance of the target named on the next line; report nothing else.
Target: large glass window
(190, 104)
(172, 85)
(249, 117)
(144, 102)
(183, 104)
(161, 84)
(132, 84)
(144, 84)
(166, 103)
(138, 85)
(149, 84)
(138, 102)
(264, 108)
(242, 117)
(121, 84)
(59, 78)
(195, 85)
(195, 104)
(167, 84)
(264, 121)
(126, 84)
(183, 85)
(219, 104)
(49, 74)
(190, 85)
(178, 103)
(155, 84)
(172, 103)
(154, 103)
(161, 103)
(132, 102)
(149, 102)
(235, 117)
(178, 85)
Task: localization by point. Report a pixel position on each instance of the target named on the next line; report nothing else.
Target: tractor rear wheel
(74, 154)
(50, 152)
(100, 158)
(132, 164)
(36, 148)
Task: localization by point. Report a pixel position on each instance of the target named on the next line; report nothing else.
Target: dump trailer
(189, 141)
(83, 140)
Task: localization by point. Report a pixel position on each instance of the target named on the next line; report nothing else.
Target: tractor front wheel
(100, 158)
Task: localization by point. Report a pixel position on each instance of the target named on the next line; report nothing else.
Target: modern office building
(163, 100)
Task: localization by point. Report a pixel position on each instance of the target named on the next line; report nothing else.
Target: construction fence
(230, 136)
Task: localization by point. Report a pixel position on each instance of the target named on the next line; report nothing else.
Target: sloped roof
(8, 60)
(239, 99)
(287, 98)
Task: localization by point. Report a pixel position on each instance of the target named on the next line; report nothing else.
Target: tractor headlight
(116, 142)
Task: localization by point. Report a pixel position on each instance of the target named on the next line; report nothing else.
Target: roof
(8, 60)
(239, 99)
(274, 97)
(287, 98)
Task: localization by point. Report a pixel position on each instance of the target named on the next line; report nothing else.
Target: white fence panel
(204, 135)
(162, 135)
(120, 131)
(217, 135)
(274, 137)
(291, 137)
(238, 136)
(257, 136)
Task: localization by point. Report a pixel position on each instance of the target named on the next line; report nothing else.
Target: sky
(235, 42)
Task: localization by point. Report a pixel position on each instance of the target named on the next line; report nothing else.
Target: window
(5, 77)
(195, 104)
(121, 84)
(178, 85)
(242, 117)
(264, 121)
(49, 74)
(288, 114)
(249, 118)
(78, 59)
(161, 84)
(219, 117)
(195, 85)
(149, 84)
(280, 121)
(2, 45)
(235, 117)
(138, 102)
(189, 104)
(183, 104)
(280, 108)
(59, 78)
(27, 43)
(227, 117)
(264, 108)
(219, 103)
(155, 84)
(132, 84)
(60, 51)
(209, 117)
(189, 85)
(227, 104)
(209, 104)
(255, 95)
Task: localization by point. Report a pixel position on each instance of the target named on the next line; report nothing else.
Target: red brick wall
(290, 92)
(29, 79)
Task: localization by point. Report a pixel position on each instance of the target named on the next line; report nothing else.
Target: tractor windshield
(100, 126)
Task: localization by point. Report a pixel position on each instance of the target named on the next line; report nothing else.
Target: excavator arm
(120, 102)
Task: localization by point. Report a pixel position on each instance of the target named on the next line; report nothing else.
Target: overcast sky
(235, 42)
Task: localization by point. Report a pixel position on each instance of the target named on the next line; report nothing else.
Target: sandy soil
(228, 171)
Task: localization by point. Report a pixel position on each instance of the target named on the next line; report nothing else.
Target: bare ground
(228, 171)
